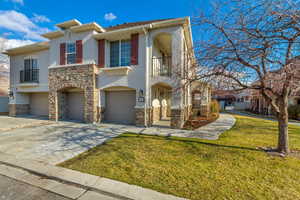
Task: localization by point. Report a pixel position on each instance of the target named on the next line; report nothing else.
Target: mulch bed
(197, 122)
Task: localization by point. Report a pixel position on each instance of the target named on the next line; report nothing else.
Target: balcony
(29, 76)
(162, 66)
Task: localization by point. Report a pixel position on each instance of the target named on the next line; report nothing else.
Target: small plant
(294, 111)
(214, 107)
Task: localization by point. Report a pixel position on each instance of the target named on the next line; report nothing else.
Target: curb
(79, 182)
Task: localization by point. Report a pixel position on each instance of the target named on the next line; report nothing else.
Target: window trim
(120, 53)
(66, 52)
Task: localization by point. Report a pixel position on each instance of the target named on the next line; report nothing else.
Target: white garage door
(120, 107)
(75, 102)
(39, 104)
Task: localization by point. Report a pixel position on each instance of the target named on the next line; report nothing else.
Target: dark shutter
(135, 49)
(101, 53)
(62, 54)
(78, 51)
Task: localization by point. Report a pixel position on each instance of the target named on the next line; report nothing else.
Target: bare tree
(254, 44)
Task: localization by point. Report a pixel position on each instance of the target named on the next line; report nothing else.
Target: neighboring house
(201, 98)
(238, 100)
(274, 80)
(123, 74)
(260, 106)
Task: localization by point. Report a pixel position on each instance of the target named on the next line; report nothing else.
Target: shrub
(294, 111)
(214, 107)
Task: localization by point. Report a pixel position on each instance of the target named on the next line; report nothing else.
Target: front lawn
(230, 168)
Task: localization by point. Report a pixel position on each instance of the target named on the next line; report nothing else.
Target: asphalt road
(11, 189)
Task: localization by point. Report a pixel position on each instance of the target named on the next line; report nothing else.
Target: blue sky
(24, 20)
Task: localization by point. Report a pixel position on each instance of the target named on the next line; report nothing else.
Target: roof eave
(53, 35)
(86, 27)
(171, 22)
(40, 46)
(68, 24)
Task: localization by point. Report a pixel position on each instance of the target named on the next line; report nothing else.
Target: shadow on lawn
(187, 140)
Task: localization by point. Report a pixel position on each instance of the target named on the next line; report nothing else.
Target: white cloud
(12, 43)
(8, 44)
(40, 18)
(20, 23)
(110, 16)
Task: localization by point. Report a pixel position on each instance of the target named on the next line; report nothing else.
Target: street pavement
(11, 189)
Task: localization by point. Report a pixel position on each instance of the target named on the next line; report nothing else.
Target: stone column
(53, 106)
(140, 117)
(91, 107)
(177, 118)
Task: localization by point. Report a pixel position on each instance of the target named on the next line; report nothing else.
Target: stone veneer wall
(18, 109)
(77, 76)
(140, 117)
(177, 118)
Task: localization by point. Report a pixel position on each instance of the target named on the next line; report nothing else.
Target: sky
(22, 21)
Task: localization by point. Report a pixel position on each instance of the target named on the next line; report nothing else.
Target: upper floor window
(30, 72)
(120, 53)
(71, 53)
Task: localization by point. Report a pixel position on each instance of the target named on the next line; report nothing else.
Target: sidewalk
(292, 122)
(73, 184)
(210, 131)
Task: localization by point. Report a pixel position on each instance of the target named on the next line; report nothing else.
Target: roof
(132, 24)
(76, 26)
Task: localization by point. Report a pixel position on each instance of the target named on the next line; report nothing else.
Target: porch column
(91, 103)
(53, 105)
(177, 107)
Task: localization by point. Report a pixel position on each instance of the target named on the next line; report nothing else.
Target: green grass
(229, 168)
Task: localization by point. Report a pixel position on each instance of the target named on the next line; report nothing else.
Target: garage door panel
(120, 107)
(39, 104)
(75, 102)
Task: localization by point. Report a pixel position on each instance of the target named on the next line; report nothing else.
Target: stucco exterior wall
(16, 65)
(89, 47)
(135, 78)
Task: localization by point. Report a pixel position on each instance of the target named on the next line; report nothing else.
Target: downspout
(147, 74)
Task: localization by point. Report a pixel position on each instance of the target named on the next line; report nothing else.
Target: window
(71, 53)
(30, 63)
(30, 72)
(120, 53)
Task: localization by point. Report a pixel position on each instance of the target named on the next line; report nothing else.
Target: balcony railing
(29, 76)
(161, 66)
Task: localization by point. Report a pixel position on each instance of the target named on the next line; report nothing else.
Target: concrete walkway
(211, 131)
(73, 184)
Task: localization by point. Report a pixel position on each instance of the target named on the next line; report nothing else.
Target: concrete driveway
(52, 142)
(9, 123)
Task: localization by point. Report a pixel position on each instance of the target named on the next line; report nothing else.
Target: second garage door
(39, 104)
(75, 102)
(120, 107)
